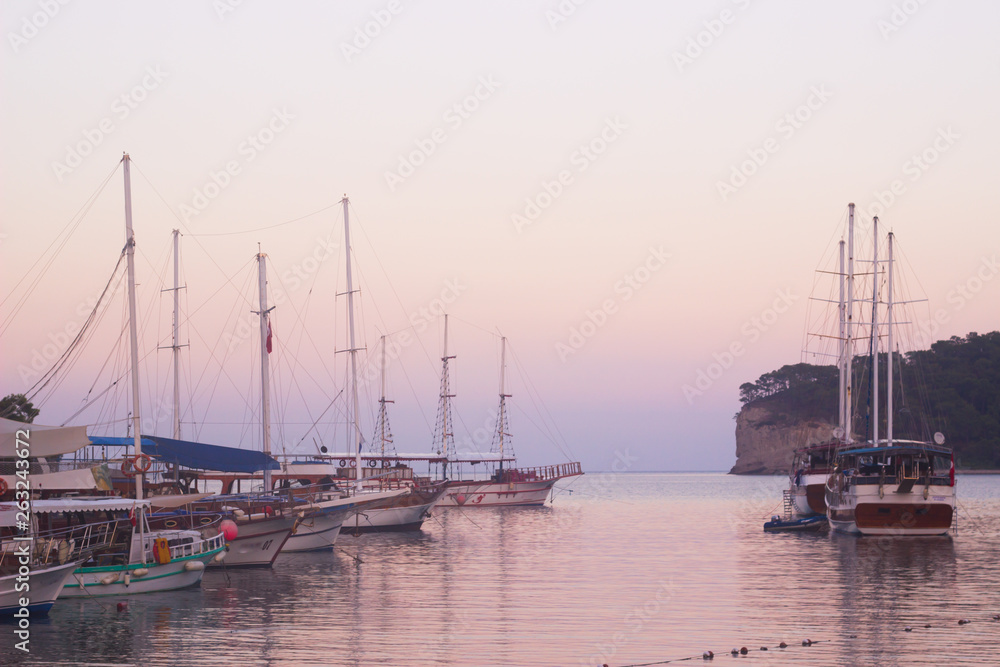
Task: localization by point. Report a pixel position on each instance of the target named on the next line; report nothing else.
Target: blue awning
(197, 455)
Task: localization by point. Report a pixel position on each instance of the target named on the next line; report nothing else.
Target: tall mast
(133, 330)
(176, 338)
(888, 395)
(874, 380)
(502, 417)
(353, 349)
(444, 405)
(384, 435)
(841, 357)
(848, 340)
(265, 374)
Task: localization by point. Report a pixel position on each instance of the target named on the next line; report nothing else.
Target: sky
(636, 194)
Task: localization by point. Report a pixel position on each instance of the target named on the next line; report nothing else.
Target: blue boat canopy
(197, 455)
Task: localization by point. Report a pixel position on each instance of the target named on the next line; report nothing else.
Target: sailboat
(150, 560)
(889, 486)
(506, 487)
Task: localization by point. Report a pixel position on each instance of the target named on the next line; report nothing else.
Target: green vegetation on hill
(954, 387)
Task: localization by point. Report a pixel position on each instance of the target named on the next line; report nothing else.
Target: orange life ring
(142, 463)
(354, 463)
(3, 486)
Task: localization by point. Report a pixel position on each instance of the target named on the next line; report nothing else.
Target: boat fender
(219, 557)
(110, 579)
(63, 551)
(141, 572)
(229, 529)
(128, 579)
(194, 566)
(460, 499)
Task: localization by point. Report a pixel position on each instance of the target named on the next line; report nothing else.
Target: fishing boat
(888, 486)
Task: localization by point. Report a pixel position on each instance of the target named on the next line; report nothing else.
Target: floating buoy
(229, 529)
(707, 655)
(122, 606)
(763, 648)
(908, 629)
(807, 642)
(735, 651)
(964, 621)
(996, 617)
(744, 651)
(928, 625)
(782, 645)
(460, 499)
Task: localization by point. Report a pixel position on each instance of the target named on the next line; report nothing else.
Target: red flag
(269, 336)
(131, 516)
(951, 473)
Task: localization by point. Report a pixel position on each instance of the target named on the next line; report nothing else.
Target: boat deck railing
(541, 473)
(68, 544)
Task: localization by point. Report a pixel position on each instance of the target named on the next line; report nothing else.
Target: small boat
(47, 582)
(778, 524)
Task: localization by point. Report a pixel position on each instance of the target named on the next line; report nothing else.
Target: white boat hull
(388, 518)
(45, 584)
(257, 542)
(121, 579)
(489, 494)
(317, 533)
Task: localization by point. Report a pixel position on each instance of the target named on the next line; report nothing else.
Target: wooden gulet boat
(890, 487)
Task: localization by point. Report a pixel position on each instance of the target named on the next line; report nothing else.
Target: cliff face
(765, 440)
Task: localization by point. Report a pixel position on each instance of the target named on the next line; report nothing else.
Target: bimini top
(197, 455)
(80, 504)
(42, 441)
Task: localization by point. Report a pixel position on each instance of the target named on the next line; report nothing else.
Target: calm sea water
(627, 569)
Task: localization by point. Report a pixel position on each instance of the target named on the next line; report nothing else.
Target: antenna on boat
(265, 350)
